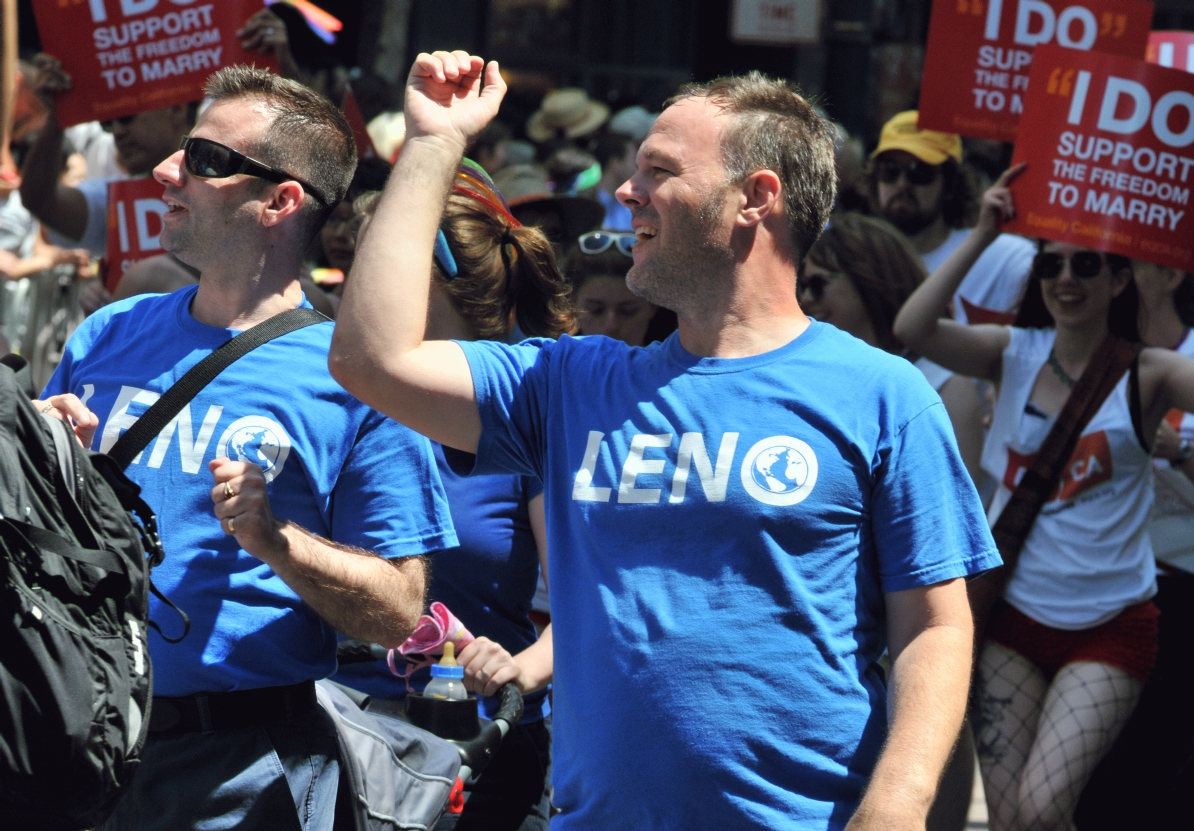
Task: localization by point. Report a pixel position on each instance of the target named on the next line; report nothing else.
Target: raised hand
(451, 96)
(50, 80)
(997, 205)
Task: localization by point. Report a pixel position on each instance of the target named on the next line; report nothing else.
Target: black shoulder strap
(137, 437)
(1134, 405)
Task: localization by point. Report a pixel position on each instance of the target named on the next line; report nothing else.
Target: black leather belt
(208, 712)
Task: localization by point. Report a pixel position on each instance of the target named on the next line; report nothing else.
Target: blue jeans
(282, 777)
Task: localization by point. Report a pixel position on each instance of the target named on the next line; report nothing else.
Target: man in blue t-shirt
(288, 509)
(740, 519)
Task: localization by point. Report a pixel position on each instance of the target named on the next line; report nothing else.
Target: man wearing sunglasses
(740, 517)
(917, 184)
(290, 510)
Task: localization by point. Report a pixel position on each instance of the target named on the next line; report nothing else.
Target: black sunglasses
(916, 172)
(814, 285)
(209, 159)
(108, 124)
(1085, 265)
(598, 242)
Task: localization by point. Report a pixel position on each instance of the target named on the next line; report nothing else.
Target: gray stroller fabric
(397, 776)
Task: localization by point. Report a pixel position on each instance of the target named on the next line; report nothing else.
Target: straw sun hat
(568, 110)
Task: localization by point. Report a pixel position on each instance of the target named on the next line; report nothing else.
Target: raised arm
(968, 350)
(58, 206)
(930, 635)
(378, 352)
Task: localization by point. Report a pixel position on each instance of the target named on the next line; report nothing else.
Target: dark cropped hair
(880, 263)
(1121, 315)
(308, 137)
(776, 129)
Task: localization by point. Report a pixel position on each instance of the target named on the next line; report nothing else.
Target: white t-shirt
(935, 374)
(992, 290)
(1172, 526)
(95, 235)
(1088, 555)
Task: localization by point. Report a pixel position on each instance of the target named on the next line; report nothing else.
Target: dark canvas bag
(75, 675)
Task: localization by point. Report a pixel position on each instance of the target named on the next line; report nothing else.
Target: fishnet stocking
(1038, 745)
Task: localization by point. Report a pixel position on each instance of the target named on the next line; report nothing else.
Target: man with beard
(740, 518)
(917, 184)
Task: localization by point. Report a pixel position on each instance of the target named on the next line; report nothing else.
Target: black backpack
(74, 669)
(75, 675)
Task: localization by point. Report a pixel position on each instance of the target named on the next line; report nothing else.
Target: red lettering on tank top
(1089, 467)
(979, 314)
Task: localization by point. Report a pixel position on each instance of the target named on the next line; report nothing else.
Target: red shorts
(1127, 641)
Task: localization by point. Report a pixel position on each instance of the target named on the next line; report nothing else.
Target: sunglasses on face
(916, 172)
(107, 125)
(813, 285)
(209, 159)
(1085, 265)
(598, 242)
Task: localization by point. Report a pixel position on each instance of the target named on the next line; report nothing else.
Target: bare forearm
(360, 594)
(929, 684)
(42, 195)
(536, 662)
(383, 315)
(917, 320)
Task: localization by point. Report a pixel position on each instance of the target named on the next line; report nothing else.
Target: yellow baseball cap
(902, 133)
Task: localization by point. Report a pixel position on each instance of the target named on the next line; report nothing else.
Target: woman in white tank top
(1066, 656)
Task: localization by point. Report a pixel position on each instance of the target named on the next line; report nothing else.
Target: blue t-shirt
(488, 581)
(720, 534)
(334, 466)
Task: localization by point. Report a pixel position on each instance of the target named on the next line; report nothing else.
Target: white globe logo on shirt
(259, 440)
(779, 471)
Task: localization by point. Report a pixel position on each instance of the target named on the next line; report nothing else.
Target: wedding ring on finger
(228, 491)
(47, 408)
(231, 525)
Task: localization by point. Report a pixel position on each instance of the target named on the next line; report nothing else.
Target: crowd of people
(699, 420)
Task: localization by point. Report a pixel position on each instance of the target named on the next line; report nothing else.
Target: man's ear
(283, 200)
(764, 198)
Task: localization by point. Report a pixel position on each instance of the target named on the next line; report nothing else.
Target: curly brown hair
(504, 271)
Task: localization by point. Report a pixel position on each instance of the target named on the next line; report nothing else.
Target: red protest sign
(128, 56)
(979, 55)
(1172, 49)
(135, 210)
(1110, 156)
(360, 131)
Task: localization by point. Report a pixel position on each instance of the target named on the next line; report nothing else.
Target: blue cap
(439, 671)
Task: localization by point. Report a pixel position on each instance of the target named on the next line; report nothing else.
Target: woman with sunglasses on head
(489, 272)
(596, 267)
(1071, 644)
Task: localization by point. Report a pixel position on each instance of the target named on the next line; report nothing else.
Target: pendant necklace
(1059, 371)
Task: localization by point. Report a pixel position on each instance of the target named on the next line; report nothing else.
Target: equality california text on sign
(1110, 156)
(128, 56)
(979, 54)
